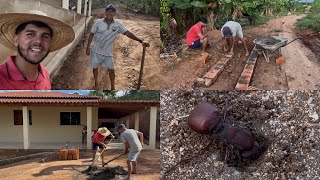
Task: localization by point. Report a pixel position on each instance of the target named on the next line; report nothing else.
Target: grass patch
(310, 21)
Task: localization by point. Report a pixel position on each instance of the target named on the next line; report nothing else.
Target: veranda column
(65, 4)
(26, 135)
(153, 127)
(89, 127)
(90, 4)
(136, 120)
(127, 122)
(79, 6)
(85, 7)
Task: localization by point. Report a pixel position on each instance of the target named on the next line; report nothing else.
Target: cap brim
(63, 34)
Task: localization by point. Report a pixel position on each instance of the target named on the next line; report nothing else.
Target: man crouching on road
(97, 141)
(230, 30)
(132, 145)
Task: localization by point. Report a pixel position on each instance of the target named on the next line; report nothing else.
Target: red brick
(280, 60)
(244, 80)
(69, 157)
(215, 71)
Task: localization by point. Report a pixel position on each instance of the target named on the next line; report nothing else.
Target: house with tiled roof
(31, 119)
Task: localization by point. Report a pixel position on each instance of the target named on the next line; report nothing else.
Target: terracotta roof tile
(24, 97)
(36, 97)
(45, 95)
(130, 102)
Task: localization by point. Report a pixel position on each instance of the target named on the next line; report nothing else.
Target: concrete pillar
(89, 127)
(79, 6)
(153, 127)
(65, 4)
(85, 7)
(90, 4)
(136, 120)
(26, 135)
(127, 122)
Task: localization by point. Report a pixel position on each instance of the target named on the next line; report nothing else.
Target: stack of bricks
(71, 154)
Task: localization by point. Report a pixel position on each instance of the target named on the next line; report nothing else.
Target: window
(69, 118)
(18, 117)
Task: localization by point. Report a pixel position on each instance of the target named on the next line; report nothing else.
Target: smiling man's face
(110, 14)
(33, 43)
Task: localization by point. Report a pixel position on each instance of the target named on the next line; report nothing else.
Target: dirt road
(303, 68)
(75, 72)
(293, 74)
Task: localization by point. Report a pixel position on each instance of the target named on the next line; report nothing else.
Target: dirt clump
(100, 173)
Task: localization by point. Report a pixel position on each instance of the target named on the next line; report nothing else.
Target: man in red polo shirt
(98, 139)
(33, 35)
(196, 38)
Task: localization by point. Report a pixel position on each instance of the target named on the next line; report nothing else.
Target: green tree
(104, 94)
(141, 95)
(97, 93)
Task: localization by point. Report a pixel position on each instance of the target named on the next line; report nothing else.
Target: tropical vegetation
(248, 12)
(126, 94)
(312, 20)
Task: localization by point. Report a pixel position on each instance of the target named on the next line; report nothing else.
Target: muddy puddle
(268, 40)
(102, 173)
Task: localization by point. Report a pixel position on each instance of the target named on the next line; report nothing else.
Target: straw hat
(63, 34)
(104, 131)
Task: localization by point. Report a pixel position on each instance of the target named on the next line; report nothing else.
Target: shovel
(141, 66)
(112, 159)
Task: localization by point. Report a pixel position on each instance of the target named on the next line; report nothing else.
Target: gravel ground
(285, 123)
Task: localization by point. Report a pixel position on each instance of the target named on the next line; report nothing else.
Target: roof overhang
(116, 109)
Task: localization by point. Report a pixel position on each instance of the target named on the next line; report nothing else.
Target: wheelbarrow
(270, 45)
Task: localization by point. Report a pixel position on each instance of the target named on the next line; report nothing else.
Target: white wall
(8, 131)
(45, 125)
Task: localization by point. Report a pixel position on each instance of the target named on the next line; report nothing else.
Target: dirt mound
(102, 173)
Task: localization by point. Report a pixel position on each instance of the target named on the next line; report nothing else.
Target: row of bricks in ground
(215, 71)
(244, 80)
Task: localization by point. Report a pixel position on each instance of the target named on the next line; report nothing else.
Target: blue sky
(82, 92)
(306, 0)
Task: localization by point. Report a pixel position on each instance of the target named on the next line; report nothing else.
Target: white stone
(314, 116)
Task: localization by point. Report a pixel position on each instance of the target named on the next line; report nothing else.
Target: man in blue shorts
(197, 39)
